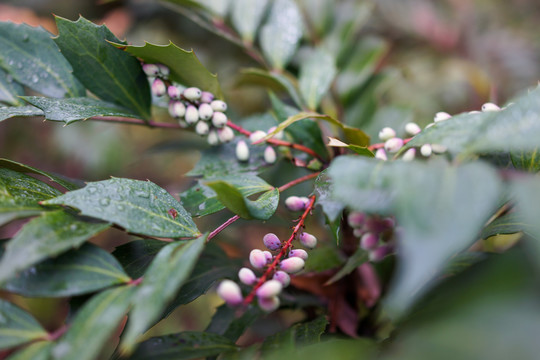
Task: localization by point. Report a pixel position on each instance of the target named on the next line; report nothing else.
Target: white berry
(218, 105)
(192, 93)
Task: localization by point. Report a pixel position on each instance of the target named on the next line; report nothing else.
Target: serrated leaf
(8, 112)
(20, 194)
(22, 168)
(183, 346)
(37, 351)
(299, 334)
(262, 209)
(76, 272)
(10, 89)
(316, 75)
(226, 323)
(75, 109)
(246, 16)
(201, 200)
(359, 257)
(136, 256)
(140, 207)
(46, 236)
(281, 33)
(30, 55)
(109, 73)
(18, 327)
(185, 68)
(440, 208)
(167, 273)
(94, 324)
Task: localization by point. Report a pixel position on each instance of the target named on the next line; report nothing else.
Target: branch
(288, 244)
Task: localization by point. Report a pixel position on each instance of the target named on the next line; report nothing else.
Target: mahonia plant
(384, 239)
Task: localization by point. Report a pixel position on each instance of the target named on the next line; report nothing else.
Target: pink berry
(206, 97)
(173, 92)
(299, 253)
(369, 241)
(229, 291)
(150, 69)
(269, 289)
(272, 242)
(393, 145)
(356, 219)
(269, 304)
(308, 240)
(268, 256)
(247, 276)
(282, 277)
(158, 87)
(379, 253)
(257, 259)
(292, 265)
(294, 203)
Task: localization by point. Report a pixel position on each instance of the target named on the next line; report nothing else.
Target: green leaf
(20, 194)
(18, 327)
(140, 207)
(507, 224)
(94, 324)
(224, 322)
(8, 112)
(281, 33)
(10, 89)
(343, 349)
(323, 192)
(360, 150)
(299, 334)
(201, 200)
(359, 257)
(75, 109)
(76, 272)
(182, 346)
(32, 58)
(48, 235)
(526, 160)
(246, 16)
(262, 209)
(440, 208)
(526, 194)
(185, 68)
(136, 256)
(36, 351)
(316, 76)
(322, 258)
(22, 168)
(109, 73)
(167, 273)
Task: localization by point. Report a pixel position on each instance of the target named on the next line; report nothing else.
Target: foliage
(426, 246)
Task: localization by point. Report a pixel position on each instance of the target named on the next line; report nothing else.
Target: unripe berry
(163, 70)
(192, 93)
(299, 253)
(282, 277)
(387, 133)
(292, 265)
(150, 69)
(381, 154)
(393, 145)
(308, 240)
(269, 304)
(174, 92)
(294, 203)
(409, 155)
(438, 148)
(278, 135)
(269, 289)
(242, 151)
(426, 150)
(229, 291)
(202, 128)
(305, 200)
(218, 105)
(490, 107)
(369, 241)
(247, 276)
(206, 97)
(441, 116)
(356, 219)
(379, 253)
(213, 138)
(192, 114)
(412, 128)
(269, 155)
(256, 136)
(205, 112)
(158, 87)
(268, 255)
(177, 109)
(219, 119)
(272, 242)
(257, 259)
(225, 134)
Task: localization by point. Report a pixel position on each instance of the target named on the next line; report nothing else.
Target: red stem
(298, 181)
(221, 227)
(277, 142)
(288, 244)
(55, 335)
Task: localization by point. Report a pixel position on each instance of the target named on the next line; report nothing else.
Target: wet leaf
(246, 16)
(18, 327)
(316, 76)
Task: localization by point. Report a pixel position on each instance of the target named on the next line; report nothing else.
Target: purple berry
(174, 92)
(379, 253)
(294, 203)
(282, 277)
(308, 240)
(272, 242)
(269, 304)
(269, 289)
(369, 241)
(229, 291)
(257, 258)
(356, 219)
(299, 253)
(206, 97)
(247, 276)
(292, 265)
(269, 256)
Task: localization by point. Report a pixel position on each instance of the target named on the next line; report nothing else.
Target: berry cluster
(376, 233)
(242, 147)
(191, 106)
(276, 263)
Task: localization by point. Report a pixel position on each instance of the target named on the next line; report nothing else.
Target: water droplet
(91, 189)
(35, 78)
(104, 201)
(73, 227)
